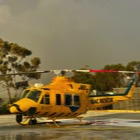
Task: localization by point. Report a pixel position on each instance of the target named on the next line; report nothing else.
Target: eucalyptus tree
(15, 59)
(101, 81)
(108, 81)
(134, 66)
(84, 77)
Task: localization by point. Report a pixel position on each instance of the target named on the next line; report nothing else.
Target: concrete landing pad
(104, 126)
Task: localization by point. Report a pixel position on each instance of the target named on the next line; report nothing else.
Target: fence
(132, 104)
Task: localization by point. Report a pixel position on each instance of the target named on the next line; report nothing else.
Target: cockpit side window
(45, 99)
(34, 95)
(25, 92)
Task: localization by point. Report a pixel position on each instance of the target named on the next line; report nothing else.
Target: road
(104, 126)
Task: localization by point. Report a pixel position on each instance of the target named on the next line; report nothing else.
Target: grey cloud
(18, 7)
(74, 33)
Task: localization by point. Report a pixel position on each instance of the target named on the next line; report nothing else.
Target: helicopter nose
(23, 106)
(15, 108)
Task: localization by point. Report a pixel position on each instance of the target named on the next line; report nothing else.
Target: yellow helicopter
(63, 98)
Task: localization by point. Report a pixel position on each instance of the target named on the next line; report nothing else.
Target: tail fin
(129, 91)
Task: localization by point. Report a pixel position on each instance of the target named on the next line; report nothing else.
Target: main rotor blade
(107, 71)
(58, 72)
(20, 73)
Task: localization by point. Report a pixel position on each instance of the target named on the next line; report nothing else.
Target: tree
(101, 81)
(134, 66)
(108, 81)
(85, 78)
(14, 59)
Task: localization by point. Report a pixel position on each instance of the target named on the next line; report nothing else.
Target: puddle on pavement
(69, 133)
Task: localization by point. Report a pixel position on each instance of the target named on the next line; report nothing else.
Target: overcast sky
(69, 34)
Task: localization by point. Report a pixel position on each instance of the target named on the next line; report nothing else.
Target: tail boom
(98, 101)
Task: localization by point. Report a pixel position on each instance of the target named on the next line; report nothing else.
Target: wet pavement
(122, 126)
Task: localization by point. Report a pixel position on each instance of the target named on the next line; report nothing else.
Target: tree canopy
(107, 81)
(14, 59)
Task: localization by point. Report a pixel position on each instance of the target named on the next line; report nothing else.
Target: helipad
(104, 126)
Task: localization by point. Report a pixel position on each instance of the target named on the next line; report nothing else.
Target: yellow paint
(62, 98)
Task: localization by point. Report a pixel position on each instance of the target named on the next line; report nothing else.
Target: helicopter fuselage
(63, 98)
(56, 100)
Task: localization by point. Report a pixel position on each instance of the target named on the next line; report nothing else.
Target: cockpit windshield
(25, 92)
(34, 95)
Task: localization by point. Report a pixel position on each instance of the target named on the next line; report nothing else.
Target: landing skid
(52, 122)
(68, 125)
(56, 124)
